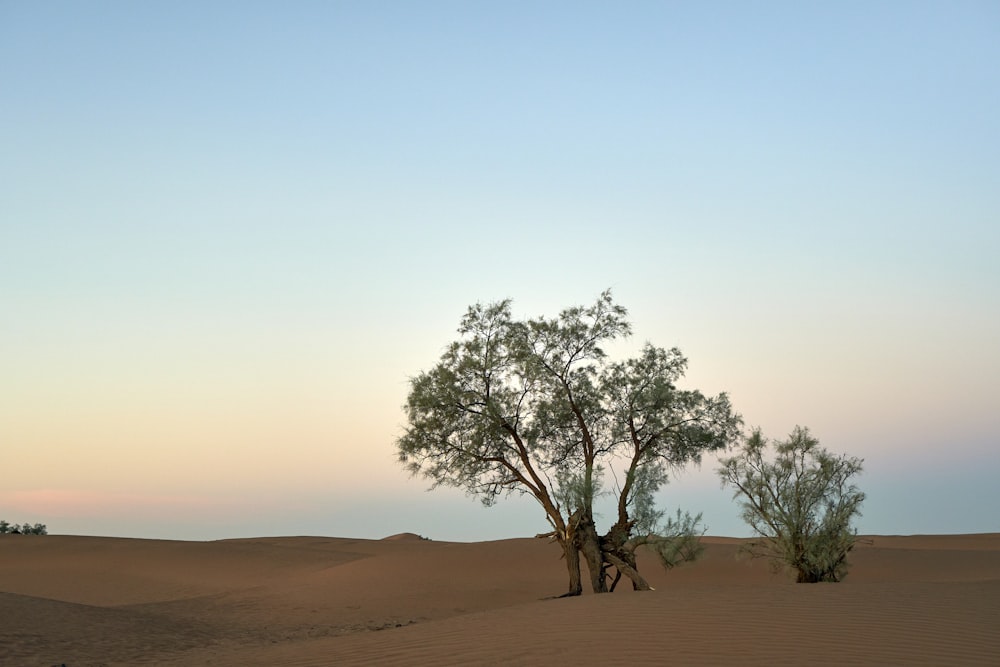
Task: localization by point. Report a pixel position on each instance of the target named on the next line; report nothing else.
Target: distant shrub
(23, 529)
(800, 504)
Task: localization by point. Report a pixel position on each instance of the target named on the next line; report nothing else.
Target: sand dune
(932, 600)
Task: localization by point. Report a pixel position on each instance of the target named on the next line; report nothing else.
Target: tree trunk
(617, 552)
(614, 582)
(590, 544)
(572, 555)
(639, 583)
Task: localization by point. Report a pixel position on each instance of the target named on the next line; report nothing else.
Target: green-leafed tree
(23, 529)
(535, 407)
(800, 505)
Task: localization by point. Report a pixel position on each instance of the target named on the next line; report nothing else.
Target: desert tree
(23, 529)
(535, 407)
(800, 504)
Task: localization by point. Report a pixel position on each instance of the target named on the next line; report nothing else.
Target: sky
(231, 232)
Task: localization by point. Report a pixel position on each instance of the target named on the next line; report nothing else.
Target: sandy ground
(81, 601)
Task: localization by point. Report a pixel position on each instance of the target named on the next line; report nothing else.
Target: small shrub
(800, 505)
(23, 529)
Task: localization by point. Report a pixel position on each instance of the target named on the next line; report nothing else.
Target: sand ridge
(407, 600)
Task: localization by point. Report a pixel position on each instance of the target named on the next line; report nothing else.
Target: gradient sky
(231, 231)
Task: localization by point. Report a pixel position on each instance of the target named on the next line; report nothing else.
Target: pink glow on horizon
(74, 503)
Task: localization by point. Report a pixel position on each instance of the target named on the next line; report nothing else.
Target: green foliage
(678, 540)
(642, 483)
(23, 529)
(535, 406)
(575, 490)
(801, 504)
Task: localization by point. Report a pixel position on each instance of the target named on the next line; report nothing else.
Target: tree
(535, 407)
(24, 529)
(800, 505)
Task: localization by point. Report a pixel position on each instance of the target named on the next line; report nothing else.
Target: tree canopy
(800, 504)
(23, 529)
(536, 407)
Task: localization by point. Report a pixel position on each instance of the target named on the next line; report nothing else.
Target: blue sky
(230, 232)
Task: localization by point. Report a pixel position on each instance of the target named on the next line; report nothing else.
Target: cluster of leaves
(23, 529)
(800, 505)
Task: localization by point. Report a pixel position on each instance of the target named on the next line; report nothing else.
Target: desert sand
(82, 601)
